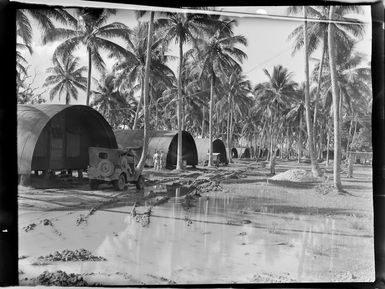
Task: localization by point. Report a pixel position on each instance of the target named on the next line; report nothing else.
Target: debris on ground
(83, 219)
(295, 175)
(325, 187)
(30, 227)
(272, 278)
(60, 278)
(188, 221)
(160, 200)
(46, 222)
(142, 218)
(69, 255)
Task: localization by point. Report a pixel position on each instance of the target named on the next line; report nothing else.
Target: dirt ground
(226, 225)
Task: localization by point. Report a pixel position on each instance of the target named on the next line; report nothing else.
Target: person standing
(156, 160)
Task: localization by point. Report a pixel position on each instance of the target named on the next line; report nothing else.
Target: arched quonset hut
(203, 147)
(234, 153)
(243, 152)
(57, 137)
(166, 141)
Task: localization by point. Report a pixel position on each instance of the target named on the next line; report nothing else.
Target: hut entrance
(160, 141)
(189, 151)
(234, 153)
(57, 135)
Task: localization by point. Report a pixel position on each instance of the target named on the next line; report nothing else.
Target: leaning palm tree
(66, 78)
(183, 28)
(219, 54)
(94, 33)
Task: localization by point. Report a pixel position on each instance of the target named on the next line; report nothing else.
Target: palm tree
(317, 33)
(310, 140)
(44, 18)
(131, 71)
(236, 87)
(92, 32)
(336, 101)
(275, 96)
(296, 114)
(183, 28)
(219, 55)
(108, 100)
(66, 78)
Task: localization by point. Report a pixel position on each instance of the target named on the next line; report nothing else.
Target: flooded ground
(250, 231)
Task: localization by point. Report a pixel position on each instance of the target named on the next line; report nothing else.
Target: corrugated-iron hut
(203, 147)
(241, 152)
(234, 153)
(166, 141)
(57, 137)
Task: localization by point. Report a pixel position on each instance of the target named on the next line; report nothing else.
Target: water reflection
(216, 246)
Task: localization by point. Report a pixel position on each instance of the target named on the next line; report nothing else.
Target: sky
(268, 45)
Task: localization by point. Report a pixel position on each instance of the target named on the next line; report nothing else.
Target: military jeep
(114, 166)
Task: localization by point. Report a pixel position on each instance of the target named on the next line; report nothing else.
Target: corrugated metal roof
(203, 147)
(243, 152)
(31, 120)
(158, 141)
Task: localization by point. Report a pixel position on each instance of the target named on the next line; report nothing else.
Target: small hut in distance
(203, 147)
(240, 152)
(166, 141)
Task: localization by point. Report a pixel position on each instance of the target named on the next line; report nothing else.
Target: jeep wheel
(120, 183)
(94, 184)
(140, 183)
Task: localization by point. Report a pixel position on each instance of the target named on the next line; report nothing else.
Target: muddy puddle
(213, 239)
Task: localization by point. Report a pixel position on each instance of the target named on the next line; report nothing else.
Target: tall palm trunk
(156, 115)
(143, 157)
(327, 147)
(203, 122)
(314, 164)
(349, 134)
(231, 126)
(183, 113)
(318, 88)
(179, 159)
(299, 138)
(272, 149)
(139, 107)
(89, 75)
(336, 100)
(321, 142)
(211, 121)
(67, 98)
(228, 129)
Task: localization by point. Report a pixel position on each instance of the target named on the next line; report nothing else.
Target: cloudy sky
(268, 45)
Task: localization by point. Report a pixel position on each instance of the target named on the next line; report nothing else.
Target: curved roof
(32, 119)
(243, 152)
(158, 141)
(203, 147)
